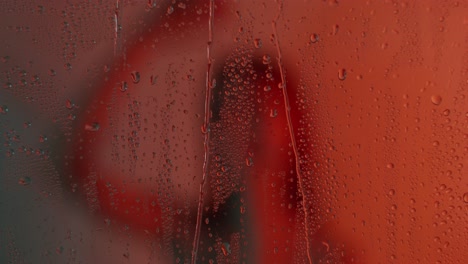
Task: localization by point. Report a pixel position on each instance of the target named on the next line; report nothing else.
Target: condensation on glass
(233, 131)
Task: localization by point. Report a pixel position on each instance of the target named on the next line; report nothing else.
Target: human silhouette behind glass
(138, 148)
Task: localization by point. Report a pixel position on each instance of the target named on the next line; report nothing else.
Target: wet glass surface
(233, 131)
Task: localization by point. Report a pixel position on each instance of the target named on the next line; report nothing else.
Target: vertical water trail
(287, 109)
(117, 16)
(206, 131)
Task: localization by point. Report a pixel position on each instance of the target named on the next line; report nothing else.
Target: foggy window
(208, 131)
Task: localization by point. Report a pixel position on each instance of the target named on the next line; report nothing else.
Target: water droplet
(135, 77)
(35, 78)
(22, 73)
(465, 197)
(3, 109)
(390, 165)
(249, 161)
(153, 79)
(242, 209)
(151, 4)
(123, 86)
(273, 113)
(24, 181)
(10, 153)
(5, 59)
(69, 104)
(342, 74)
(314, 38)
(267, 88)
(226, 248)
(52, 72)
(42, 138)
(266, 59)
(59, 250)
(170, 10)
(258, 43)
(204, 129)
(336, 28)
(93, 127)
(67, 66)
(436, 99)
(327, 246)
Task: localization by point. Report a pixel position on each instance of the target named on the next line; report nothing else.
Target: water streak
(287, 109)
(206, 131)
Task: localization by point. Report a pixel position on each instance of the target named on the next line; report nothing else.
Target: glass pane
(233, 131)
